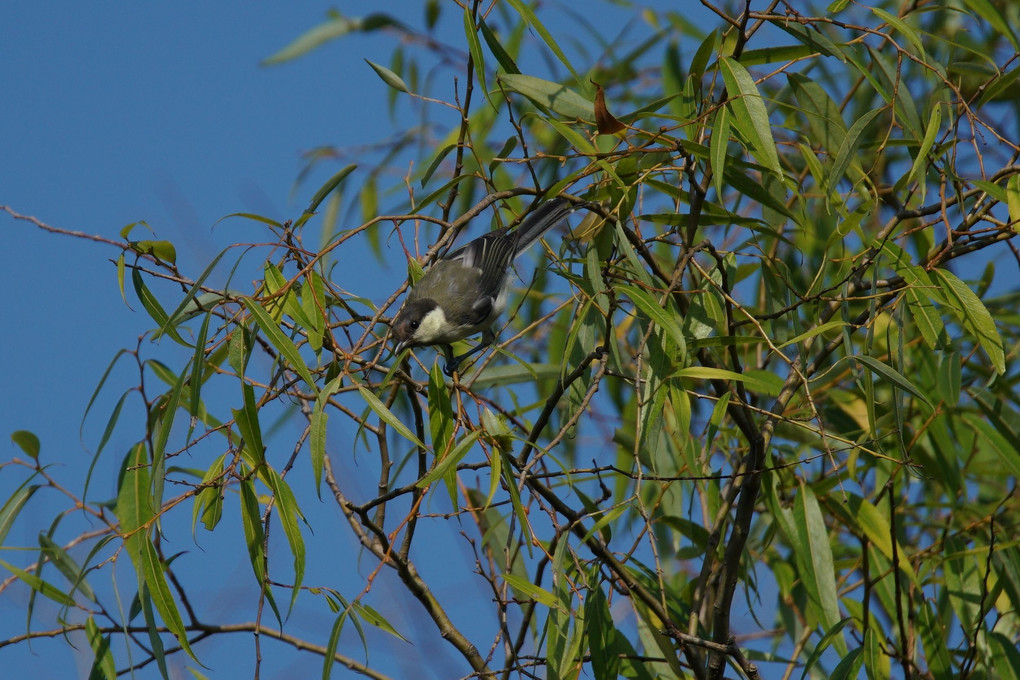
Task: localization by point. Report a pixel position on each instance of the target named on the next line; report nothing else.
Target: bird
(465, 292)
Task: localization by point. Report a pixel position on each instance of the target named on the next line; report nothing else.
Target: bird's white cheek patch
(431, 327)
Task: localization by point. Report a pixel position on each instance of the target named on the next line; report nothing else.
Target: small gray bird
(463, 293)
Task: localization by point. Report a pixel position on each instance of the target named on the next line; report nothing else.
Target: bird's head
(420, 322)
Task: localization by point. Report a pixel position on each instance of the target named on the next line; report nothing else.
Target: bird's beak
(399, 348)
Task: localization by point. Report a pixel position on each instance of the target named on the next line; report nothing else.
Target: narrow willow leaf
(503, 57)
(331, 645)
(654, 311)
(389, 77)
(602, 636)
(849, 666)
(710, 373)
(317, 433)
(66, 565)
(388, 417)
(370, 615)
(817, 330)
(209, 501)
(847, 152)
(553, 96)
(824, 644)
(38, 585)
(103, 665)
(121, 267)
(529, 590)
(934, 637)
(334, 28)
(152, 626)
(12, 506)
(907, 31)
(135, 511)
(325, 190)
(289, 513)
(475, 47)
(440, 412)
(750, 117)
(155, 310)
(532, 20)
(819, 574)
(254, 536)
(974, 316)
(895, 377)
(436, 162)
(165, 422)
(176, 317)
(247, 419)
(1013, 201)
(999, 443)
(717, 144)
(448, 465)
(280, 341)
(921, 159)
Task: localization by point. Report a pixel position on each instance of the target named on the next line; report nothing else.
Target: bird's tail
(546, 216)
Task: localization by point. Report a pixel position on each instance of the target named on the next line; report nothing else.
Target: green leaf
(336, 27)
(837, 324)
(974, 316)
(325, 190)
(529, 16)
(376, 619)
(317, 433)
(388, 417)
(815, 554)
(12, 506)
(602, 636)
(710, 373)
(280, 341)
(247, 419)
(103, 665)
(553, 96)
(39, 585)
(254, 535)
(66, 565)
(440, 412)
(921, 159)
(1003, 445)
(667, 320)
(155, 310)
(27, 442)
(717, 144)
(849, 666)
(750, 117)
(847, 152)
(530, 591)
(908, 32)
(161, 250)
(389, 77)
(895, 377)
(475, 47)
(449, 463)
(135, 511)
(289, 513)
(1013, 201)
(503, 57)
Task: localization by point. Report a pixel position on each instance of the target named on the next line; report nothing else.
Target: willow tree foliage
(754, 416)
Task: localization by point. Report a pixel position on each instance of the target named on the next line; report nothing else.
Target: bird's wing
(490, 254)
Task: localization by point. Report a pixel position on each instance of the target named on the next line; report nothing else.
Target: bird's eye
(414, 325)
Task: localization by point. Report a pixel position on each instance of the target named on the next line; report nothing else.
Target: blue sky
(128, 111)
